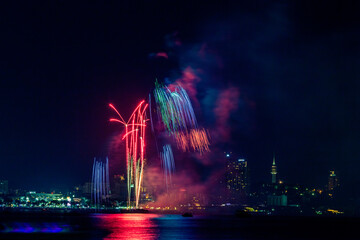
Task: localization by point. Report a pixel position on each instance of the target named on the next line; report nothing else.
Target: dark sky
(294, 64)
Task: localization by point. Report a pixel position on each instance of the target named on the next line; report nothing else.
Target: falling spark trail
(168, 164)
(174, 108)
(150, 109)
(100, 184)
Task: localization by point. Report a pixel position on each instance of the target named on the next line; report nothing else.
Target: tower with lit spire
(273, 171)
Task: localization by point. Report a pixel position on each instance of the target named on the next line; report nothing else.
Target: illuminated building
(34, 196)
(273, 171)
(333, 182)
(4, 188)
(236, 176)
(277, 200)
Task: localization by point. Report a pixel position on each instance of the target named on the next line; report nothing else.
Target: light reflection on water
(28, 227)
(129, 226)
(153, 226)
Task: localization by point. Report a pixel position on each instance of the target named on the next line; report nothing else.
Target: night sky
(280, 76)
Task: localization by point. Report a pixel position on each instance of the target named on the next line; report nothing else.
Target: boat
(187, 214)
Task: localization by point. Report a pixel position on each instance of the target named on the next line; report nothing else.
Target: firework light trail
(168, 163)
(177, 115)
(134, 148)
(174, 108)
(197, 139)
(100, 183)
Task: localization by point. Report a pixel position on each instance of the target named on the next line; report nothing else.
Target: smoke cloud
(226, 103)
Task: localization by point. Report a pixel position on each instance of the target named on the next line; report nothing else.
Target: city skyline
(331, 182)
(233, 191)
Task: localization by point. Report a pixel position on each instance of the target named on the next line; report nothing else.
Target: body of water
(156, 226)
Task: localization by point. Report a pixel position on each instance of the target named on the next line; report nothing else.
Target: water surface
(156, 226)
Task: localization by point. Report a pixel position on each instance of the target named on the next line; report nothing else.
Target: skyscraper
(237, 176)
(273, 171)
(333, 181)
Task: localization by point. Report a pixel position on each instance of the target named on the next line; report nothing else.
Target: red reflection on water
(129, 226)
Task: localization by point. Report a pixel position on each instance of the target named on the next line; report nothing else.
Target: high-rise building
(333, 182)
(4, 188)
(273, 171)
(236, 176)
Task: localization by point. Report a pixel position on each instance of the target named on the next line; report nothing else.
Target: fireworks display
(177, 115)
(134, 148)
(168, 163)
(100, 182)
